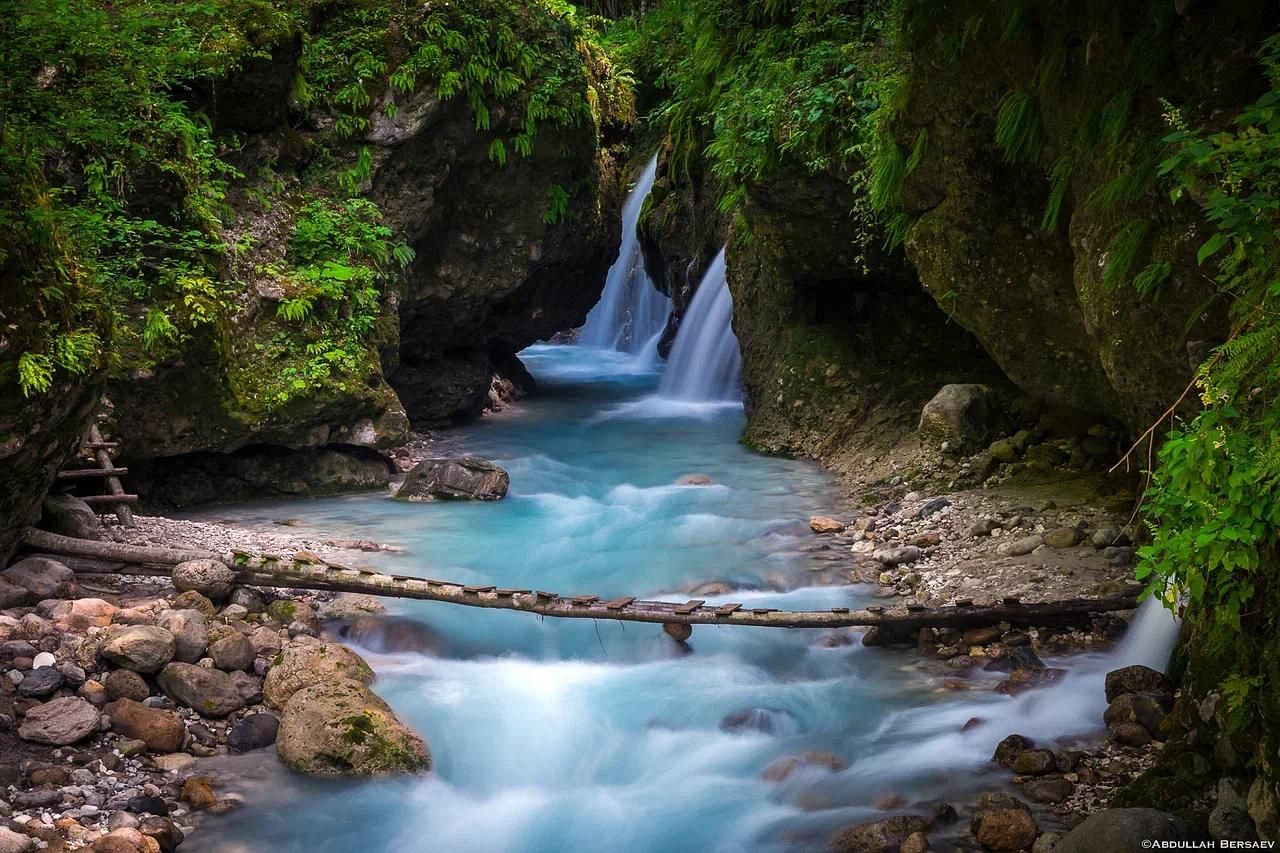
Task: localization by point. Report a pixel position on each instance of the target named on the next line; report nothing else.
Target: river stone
(126, 840)
(782, 767)
(1141, 708)
(389, 636)
(256, 731)
(61, 722)
(141, 648)
(209, 692)
(1126, 831)
(249, 687)
(824, 524)
(1130, 734)
(248, 599)
(14, 842)
(352, 605)
(12, 595)
(190, 632)
(67, 515)
(161, 731)
(1003, 822)
(1137, 679)
(885, 835)
(1063, 537)
(340, 728)
(961, 416)
(286, 611)
(40, 682)
(1021, 547)
(467, 478)
(82, 614)
(211, 578)
(897, 556)
(192, 600)
(302, 666)
(1010, 748)
(126, 684)
(232, 652)
(42, 578)
(1049, 790)
(1033, 762)
(165, 832)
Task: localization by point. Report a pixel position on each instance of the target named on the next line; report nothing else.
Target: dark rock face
(1125, 831)
(465, 479)
(69, 516)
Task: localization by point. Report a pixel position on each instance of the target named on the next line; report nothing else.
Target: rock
(693, 480)
(141, 648)
(1021, 547)
(1034, 762)
(198, 793)
(767, 720)
(1126, 831)
(1130, 734)
(1063, 537)
(825, 524)
(13, 842)
(393, 635)
(248, 599)
(340, 728)
(211, 578)
(1264, 810)
(885, 835)
(190, 632)
(42, 578)
(962, 416)
(1104, 537)
(161, 731)
(983, 526)
(40, 682)
(256, 731)
(306, 665)
(677, 631)
(287, 612)
(60, 722)
(126, 840)
(781, 768)
(43, 659)
(467, 478)
(208, 692)
(165, 832)
(916, 842)
(12, 595)
(352, 605)
(1229, 820)
(932, 507)
(1003, 823)
(1118, 556)
(1049, 790)
(1142, 708)
(1002, 450)
(126, 684)
(67, 515)
(1137, 679)
(1009, 749)
(710, 589)
(248, 686)
(266, 641)
(1016, 658)
(176, 762)
(192, 600)
(980, 636)
(82, 614)
(232, 652)
(897, 556)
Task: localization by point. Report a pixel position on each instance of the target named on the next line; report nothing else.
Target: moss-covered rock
(302, 666)
(341, 728)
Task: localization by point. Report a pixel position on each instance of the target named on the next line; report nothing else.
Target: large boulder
(877, 836)
(232, 652)
(1137, 679)
(67, 515)
(42, 578)
(211, 578)
(82, 614)
(1126, 831)
(467, 478)
(141, 648)
(61, 722)
(340, 728)
(190, 632)
(391, 635)
(304, 665)
(1002, 822)
(161, 731)
(962, 416)
(208, 692)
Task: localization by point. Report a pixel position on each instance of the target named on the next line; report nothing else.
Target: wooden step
(101, 445)
(91, 473)
(689, 606)
(110, 499)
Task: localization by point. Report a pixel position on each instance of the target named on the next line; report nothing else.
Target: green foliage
(1018, 131)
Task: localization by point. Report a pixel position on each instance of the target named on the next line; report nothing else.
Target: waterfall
(631, 313)
(705, 365)
(1151, 637)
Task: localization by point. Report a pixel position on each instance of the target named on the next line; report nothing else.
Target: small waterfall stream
(631, 313)
(705, 364)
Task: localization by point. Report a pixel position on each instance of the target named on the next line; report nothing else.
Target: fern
(158, 328)
(35, 373)
(1059, 182)
(1018, 131)
(557, 204)
(1122, 251)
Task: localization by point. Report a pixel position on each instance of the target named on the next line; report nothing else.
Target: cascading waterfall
(631, 313)
(705, 364)
(1151, 637)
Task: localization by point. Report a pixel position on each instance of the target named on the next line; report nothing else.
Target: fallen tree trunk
(258, 570)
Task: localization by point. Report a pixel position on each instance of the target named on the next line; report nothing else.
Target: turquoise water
(567, 735)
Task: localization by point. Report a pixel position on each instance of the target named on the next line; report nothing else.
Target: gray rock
(40, 682)
(67, 515)
(190, 632)
(392, 635)
(962, 416)
(41, 577)
(467, 478)
(301, 666)
(232, 652)
(61, 722)
(983, 526)
(126, 684)
(1264, 809)
(1137, 679)
(1126, 831)
(340, 728)
(932, 507)
(1022, 547)
(210, 578)
(208, 692)
(255, 731)
(1063, 537)
(1104, 537)
(12, 595)
(897, 556)
(877, 836)
(248, 599)
(1229, 820)
(15, 842)
(249, 686)
(141, 648)
(1142, 708)
(1117, 555)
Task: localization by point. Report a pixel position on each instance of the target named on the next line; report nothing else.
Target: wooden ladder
(116, 498)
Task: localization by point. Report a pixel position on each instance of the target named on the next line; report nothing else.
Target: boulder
(824, 524)
(1034, 762)
(192, 600)
(1137, 679)
(962, 416)
(42, 578)
(232, 652)
(190, 632)
(393, 635)
(467, 478)
(1143, 708)
(249, 687)
(302, 666)
(1003, 822)
(781, 768)
(61, 722)
(1264, 809)
(40, 682)
(352, 605)
(1010, 748)
(208, 692)
(1130, 734)
(1126, 831)
(211, 578)
(161, 731)
(12, 595)
(256, 731)
(1063, 537)
(248, 599)
(885, 835)
(126, 684)
(141, 648)
(340, 728)
(82, 614)
(286, 611)
(67, 515)
(1021, 547)
(126, 840)
(897, 556)
(15, 842)
(163, 831)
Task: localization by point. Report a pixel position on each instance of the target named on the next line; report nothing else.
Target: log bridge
(267, 570)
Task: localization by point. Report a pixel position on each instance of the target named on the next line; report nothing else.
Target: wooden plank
(91, 473)
(689, 606)
(109, 499)
(478, 589)
(839, 610)
(619, 603)
(585, 600)
(726, 609)
(99, 444)
(122, 510)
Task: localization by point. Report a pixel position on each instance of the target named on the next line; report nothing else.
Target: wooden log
(45, 541)
(110, 499)
(91, 473)
(100, 448)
